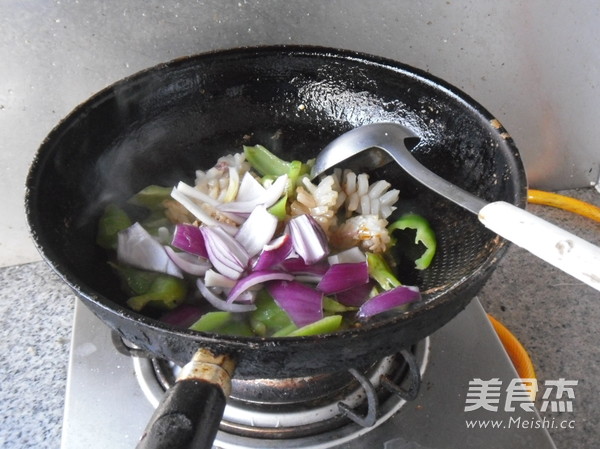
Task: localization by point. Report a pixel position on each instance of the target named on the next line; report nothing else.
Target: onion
(163, 235)
(308, 278)
(308, 238)
(220, 303)
(249, 188)
(255, 278)
(274, 253)
(355, 297)
(296, 265)
(226, 254)
(388, 300)
(233, 186)
(197, 194)
(192, 192)
(136, 247)
(247, 297)
(267, 199)
(183, 316)
(350, 255)
(198, 212)
(304, 305)
(188, 238)
(344, 276)
(188, 263)
(214, 279)
(257, 230)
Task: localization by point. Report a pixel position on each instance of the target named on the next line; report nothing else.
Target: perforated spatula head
(376, 144)
(552, 244)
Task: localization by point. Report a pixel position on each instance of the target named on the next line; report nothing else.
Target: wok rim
(53, 258)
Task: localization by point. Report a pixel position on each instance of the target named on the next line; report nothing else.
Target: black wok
(160, 125)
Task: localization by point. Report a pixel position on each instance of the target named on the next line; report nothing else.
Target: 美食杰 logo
(520, 394)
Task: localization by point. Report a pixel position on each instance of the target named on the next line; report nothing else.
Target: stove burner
(106, 407)
(280, 409)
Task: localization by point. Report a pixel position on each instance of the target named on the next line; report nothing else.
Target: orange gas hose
(563, 202)
(516, 352)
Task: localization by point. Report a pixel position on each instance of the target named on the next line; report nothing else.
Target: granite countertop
(555, 317)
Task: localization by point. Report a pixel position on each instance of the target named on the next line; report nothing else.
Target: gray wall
(532, 63)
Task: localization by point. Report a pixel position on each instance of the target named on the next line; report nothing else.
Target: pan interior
(162, 124)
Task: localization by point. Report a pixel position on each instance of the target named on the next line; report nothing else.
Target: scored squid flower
(367, 231)
(221, 182)
(321, 201)
(364, 198)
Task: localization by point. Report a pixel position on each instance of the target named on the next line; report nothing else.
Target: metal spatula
(376, 143)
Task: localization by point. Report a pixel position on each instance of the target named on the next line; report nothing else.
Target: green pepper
(268, 318)
(238, 327)
(285, 331)
(113, 220)
(271, 166)
(135, 281)
(332, 306)
(151, 197)
(424, 235)
(297, 170)
(279, 209)
(323, 326)
(211, 321)
(165, 292)
(381, 271)
(265, 162)
(221, 322)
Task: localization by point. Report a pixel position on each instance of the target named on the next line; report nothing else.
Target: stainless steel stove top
(107, 407)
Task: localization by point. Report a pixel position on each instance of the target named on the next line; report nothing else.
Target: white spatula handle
(566, 251)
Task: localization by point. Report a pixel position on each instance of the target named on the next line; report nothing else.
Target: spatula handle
(571, 254)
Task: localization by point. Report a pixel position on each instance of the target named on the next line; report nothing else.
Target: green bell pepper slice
(285, 331)
(325, 325)
(150, 288)
(268, 318)
(211, 321)
(113, 220)
(381, 271)
(279, 209)
(135, 281)
(165, 293)
(331, 306)
(151, 197)
(424, 235)
(270, 166)
(265, 162)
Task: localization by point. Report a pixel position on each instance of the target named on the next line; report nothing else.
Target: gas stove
(110, 397)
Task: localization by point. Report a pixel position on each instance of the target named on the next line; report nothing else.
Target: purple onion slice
(388, 300)
(303, 304)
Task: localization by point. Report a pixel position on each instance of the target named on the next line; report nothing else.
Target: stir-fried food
(255, 247)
